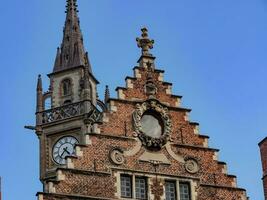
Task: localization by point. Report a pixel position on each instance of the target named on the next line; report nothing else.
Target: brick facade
(263, 152)
(112, 142)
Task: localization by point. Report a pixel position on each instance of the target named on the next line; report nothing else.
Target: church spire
(71, 53)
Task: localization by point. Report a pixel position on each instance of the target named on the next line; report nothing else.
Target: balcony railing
(69, 111)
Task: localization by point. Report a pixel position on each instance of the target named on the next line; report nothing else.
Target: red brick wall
(94, 174)
(263, 151)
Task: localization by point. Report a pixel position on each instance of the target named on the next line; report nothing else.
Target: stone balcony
(82, 108)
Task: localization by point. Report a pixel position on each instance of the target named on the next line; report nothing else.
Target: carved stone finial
(39, 103)
(144, 42)
(39, 83)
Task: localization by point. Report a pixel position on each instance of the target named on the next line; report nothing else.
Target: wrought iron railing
(69, 111)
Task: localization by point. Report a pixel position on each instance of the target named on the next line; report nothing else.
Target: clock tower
(140, 145)
(66, 113)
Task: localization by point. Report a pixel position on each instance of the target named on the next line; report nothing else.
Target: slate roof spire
(71, 53)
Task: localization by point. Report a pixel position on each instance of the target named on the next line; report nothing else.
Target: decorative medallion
(117, 157)
(191, 166)
(152, 124)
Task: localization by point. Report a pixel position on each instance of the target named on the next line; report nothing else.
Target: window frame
(131, 185)
(63, 84)
(189, 189)
(145, 188)
(174, 182)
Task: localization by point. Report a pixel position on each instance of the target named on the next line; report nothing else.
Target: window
(170, 190)
(133, 187)
(47, 103)
(140, 188)
(184, 191)
(66, 87)
(126, 186)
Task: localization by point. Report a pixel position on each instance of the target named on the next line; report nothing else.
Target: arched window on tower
(66, 87)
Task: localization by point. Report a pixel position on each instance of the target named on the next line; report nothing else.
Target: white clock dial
(65, 146)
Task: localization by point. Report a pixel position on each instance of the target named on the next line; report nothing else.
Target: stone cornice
(111, 136)
(153, 173)
(222, 187)
(86, 172)
(195, 147)
(141, 101)
(73, 196)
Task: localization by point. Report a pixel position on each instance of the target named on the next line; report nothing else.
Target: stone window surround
(177, 188)
(177, 180)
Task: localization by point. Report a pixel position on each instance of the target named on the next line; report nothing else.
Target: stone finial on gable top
(145, 43)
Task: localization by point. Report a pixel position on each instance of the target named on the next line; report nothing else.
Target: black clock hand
(62, 153)
(66, 150)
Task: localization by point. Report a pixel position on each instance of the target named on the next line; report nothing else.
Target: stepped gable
(122, 144)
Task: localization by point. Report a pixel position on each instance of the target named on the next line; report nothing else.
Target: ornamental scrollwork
(116, 156)
(191, 166)
(162, 111)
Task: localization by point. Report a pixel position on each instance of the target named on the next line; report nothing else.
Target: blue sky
(213, 51)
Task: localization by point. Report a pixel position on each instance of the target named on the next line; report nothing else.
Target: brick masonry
(93, 172)
(263, 152)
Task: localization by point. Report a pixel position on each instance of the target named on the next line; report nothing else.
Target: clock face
(64, 147)
(151, 126)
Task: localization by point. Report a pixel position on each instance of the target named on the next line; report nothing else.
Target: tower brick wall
(263, 152)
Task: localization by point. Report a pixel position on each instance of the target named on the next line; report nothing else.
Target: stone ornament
(117, 157)
(150, 88)
(157, 188)
(144, 42)
(191, 166)
(156, 107)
